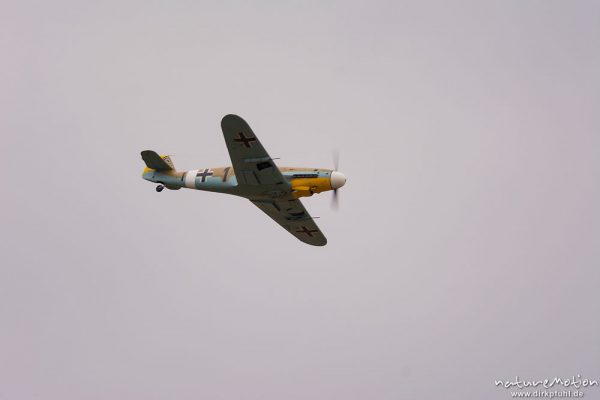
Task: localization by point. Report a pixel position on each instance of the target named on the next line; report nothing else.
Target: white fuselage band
(190, 179)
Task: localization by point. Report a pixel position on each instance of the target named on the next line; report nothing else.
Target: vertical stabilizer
(156, 162)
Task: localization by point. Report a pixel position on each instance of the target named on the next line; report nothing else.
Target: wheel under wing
(292, 216)
(252, 164)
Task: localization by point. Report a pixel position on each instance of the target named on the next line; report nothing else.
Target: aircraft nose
(337, 180)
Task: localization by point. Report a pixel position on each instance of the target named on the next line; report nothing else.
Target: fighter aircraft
(253, 175)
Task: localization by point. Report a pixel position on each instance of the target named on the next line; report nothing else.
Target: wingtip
(230, 117)
(318, 244)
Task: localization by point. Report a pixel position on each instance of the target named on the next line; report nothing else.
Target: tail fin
(156, 162)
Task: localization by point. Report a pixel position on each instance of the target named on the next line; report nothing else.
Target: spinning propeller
(337, 180)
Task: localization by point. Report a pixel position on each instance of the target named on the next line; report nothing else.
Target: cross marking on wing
(309, 232)
(243, 139)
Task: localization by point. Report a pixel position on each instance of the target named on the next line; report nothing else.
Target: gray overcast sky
(467, 247)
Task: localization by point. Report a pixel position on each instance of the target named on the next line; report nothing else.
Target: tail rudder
(157, 162)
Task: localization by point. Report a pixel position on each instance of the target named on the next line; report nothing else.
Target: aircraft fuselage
(303, 182)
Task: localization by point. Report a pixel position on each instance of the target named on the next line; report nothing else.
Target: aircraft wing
(292, 215)
(252, 164)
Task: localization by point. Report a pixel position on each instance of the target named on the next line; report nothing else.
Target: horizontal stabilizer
(156, 162)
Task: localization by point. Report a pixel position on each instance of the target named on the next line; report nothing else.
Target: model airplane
(254, 176)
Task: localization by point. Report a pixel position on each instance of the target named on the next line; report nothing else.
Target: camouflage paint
(223, 180)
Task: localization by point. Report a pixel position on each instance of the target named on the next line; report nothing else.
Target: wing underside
(252, 164)
(261, 181)
(294, 218)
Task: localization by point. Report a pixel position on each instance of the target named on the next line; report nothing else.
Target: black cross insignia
(309, 232)
(244, 139)
(204, 174)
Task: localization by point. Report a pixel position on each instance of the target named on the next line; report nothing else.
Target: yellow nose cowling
(304, 187)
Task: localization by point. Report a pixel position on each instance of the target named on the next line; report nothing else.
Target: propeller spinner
(337, 180)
